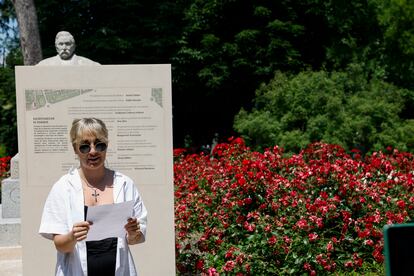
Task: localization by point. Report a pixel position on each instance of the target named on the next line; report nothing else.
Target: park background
(311, 103)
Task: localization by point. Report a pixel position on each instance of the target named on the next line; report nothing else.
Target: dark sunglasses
(99, 147)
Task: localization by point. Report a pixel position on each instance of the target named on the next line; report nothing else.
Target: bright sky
(7, 36)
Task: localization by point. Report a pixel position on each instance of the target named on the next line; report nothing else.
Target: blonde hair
(88, 126)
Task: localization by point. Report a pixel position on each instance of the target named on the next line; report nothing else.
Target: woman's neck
(93, 177)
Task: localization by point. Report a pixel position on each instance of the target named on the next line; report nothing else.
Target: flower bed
(4, 169)
(4, 166)
(321, 211)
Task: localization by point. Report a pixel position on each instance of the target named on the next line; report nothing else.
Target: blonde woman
(91, 184)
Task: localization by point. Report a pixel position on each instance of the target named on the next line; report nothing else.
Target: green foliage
(222, 50)
(339, 107)
(8, 119)
(396, 17)
(8, 125)
(224, 40)
(227, 48)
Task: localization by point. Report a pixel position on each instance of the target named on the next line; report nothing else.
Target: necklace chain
(95, 194)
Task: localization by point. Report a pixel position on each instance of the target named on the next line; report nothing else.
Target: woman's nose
(93, 149)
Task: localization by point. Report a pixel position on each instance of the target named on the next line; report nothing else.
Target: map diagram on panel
(38, 98)
(156, 95)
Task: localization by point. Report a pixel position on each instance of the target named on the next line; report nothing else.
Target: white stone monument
(135, 103)
(65, 48)
(10, 207)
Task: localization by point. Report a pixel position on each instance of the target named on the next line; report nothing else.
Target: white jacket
(64, 206)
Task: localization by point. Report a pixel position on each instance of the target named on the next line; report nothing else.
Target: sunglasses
(99, 147)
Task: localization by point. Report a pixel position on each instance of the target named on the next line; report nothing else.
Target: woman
(64, 213)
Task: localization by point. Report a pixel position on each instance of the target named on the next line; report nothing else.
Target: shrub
(319, 211)
(337, 108)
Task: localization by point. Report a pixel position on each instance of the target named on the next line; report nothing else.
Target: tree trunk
(29, 31)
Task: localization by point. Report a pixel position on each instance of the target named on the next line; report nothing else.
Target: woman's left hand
(133, 230)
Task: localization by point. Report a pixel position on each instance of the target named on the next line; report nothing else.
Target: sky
(8, 34)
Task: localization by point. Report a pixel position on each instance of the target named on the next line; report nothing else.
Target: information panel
(134, 117)
(135, 103)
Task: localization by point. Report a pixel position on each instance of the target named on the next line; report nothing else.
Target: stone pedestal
(10, 198)
(10, 207)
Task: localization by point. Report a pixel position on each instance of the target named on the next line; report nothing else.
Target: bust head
(65, 45)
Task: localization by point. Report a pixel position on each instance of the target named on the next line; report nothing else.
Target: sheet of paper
(108, 220)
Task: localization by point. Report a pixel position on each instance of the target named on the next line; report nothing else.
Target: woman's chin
(94, 164)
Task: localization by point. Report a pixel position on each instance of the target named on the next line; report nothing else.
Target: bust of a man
(65, 47)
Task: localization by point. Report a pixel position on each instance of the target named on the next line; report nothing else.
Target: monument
(65, 48)
(10, 207)
(135, 103)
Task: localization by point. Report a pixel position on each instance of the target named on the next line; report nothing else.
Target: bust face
(65, 46)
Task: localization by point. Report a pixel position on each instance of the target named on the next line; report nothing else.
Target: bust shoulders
(74, 60)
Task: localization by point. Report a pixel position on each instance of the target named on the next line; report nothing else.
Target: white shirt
(64, 206)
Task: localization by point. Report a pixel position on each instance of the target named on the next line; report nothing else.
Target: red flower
(229, 266)
(229, 253)
(200, 265)
(302, 224)
(178, 152)
(401, 204)
(313, 237)
(249, 227)
(348, 264)
(212, 272)
(329, 247)
(307, 266)
(272, 240)
(369, 242)
(248, 200)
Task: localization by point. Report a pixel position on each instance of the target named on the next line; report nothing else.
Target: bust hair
(88, 126)
(64, 33)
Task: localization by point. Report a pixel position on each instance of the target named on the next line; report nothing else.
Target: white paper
(108, 220)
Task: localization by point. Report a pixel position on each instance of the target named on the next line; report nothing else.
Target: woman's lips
(94, 159)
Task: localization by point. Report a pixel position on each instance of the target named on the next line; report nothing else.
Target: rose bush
(4, 166)
(4, 169)
(321, 211)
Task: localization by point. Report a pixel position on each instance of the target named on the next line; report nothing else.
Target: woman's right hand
(80, 230)
(65, 243)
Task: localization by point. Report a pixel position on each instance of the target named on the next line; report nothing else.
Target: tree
(222, 50)
(395, 18)
(226, 49)
(29, 31)
(8, 121)
(344, 108)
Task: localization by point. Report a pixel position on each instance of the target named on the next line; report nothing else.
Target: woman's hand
(133, 231)
(66, 242)
(80, 230)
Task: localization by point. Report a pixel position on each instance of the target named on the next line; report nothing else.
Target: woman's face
(91, 152)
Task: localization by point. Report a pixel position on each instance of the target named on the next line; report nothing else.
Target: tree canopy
(222, 51)
(339, 107)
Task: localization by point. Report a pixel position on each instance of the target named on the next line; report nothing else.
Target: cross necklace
(95, 194)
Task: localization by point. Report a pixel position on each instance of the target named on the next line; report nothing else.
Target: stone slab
(9, 253)
(9, 231)
(14, 167)
(11, 261)
(10, 198)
